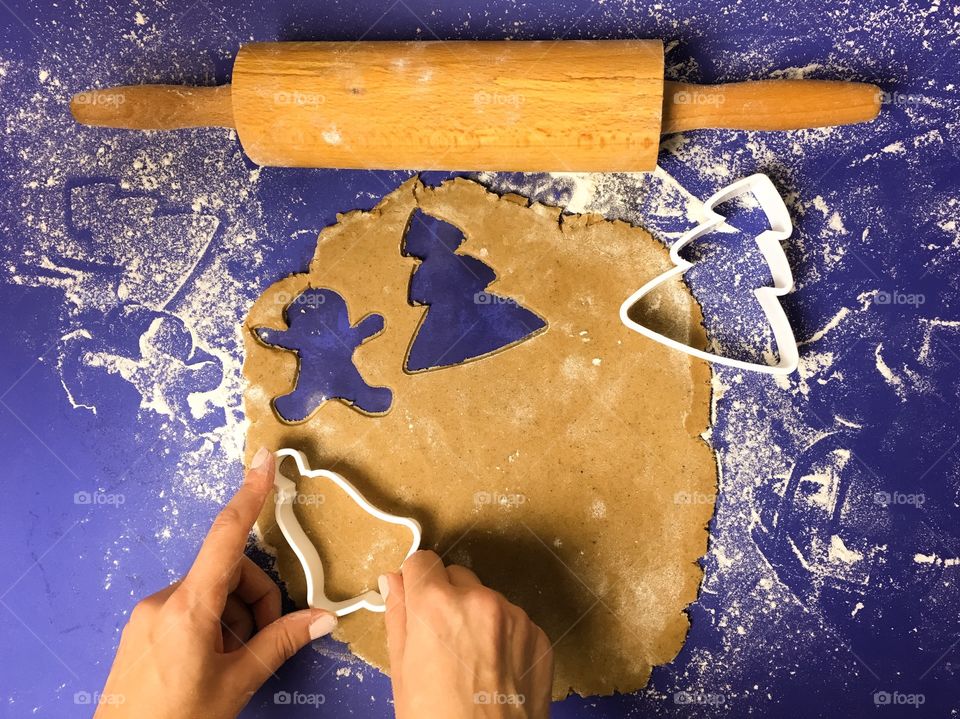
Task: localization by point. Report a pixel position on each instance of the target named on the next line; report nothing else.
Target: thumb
(279, 641)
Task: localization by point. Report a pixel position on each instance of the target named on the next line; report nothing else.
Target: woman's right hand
(458, 649)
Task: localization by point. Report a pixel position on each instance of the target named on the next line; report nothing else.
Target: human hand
(190, 650)
(458, 649)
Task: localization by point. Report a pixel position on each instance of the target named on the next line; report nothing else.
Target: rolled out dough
(568, 471)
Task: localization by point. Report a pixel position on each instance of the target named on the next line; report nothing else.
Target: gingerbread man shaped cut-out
(319, 331)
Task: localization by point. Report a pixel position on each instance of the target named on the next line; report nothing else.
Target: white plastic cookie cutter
(769, 243)
(286, 496)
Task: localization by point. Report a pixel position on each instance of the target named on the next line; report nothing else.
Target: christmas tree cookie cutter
(286, 497)
(768, 242)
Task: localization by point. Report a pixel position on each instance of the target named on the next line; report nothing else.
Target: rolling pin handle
(768, 105)
(154, 107)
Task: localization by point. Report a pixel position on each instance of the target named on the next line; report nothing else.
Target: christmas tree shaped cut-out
(463, 320)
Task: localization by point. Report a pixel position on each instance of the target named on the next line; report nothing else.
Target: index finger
(420, 570)
(223, 547)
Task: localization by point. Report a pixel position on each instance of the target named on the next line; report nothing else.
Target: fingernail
(384, 585)
(260, 459)
(323, 626)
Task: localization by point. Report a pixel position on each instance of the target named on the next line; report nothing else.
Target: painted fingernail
(323, 626)
(384, 585)
(260, 459)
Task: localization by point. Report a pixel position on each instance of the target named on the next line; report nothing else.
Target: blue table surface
(130, 259)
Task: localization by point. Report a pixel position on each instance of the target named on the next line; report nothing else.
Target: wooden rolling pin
(595, 105)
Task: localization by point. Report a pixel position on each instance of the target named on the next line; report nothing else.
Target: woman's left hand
(204, 645)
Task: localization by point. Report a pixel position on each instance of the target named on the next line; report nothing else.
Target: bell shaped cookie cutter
(768, 242)
(286, 497)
